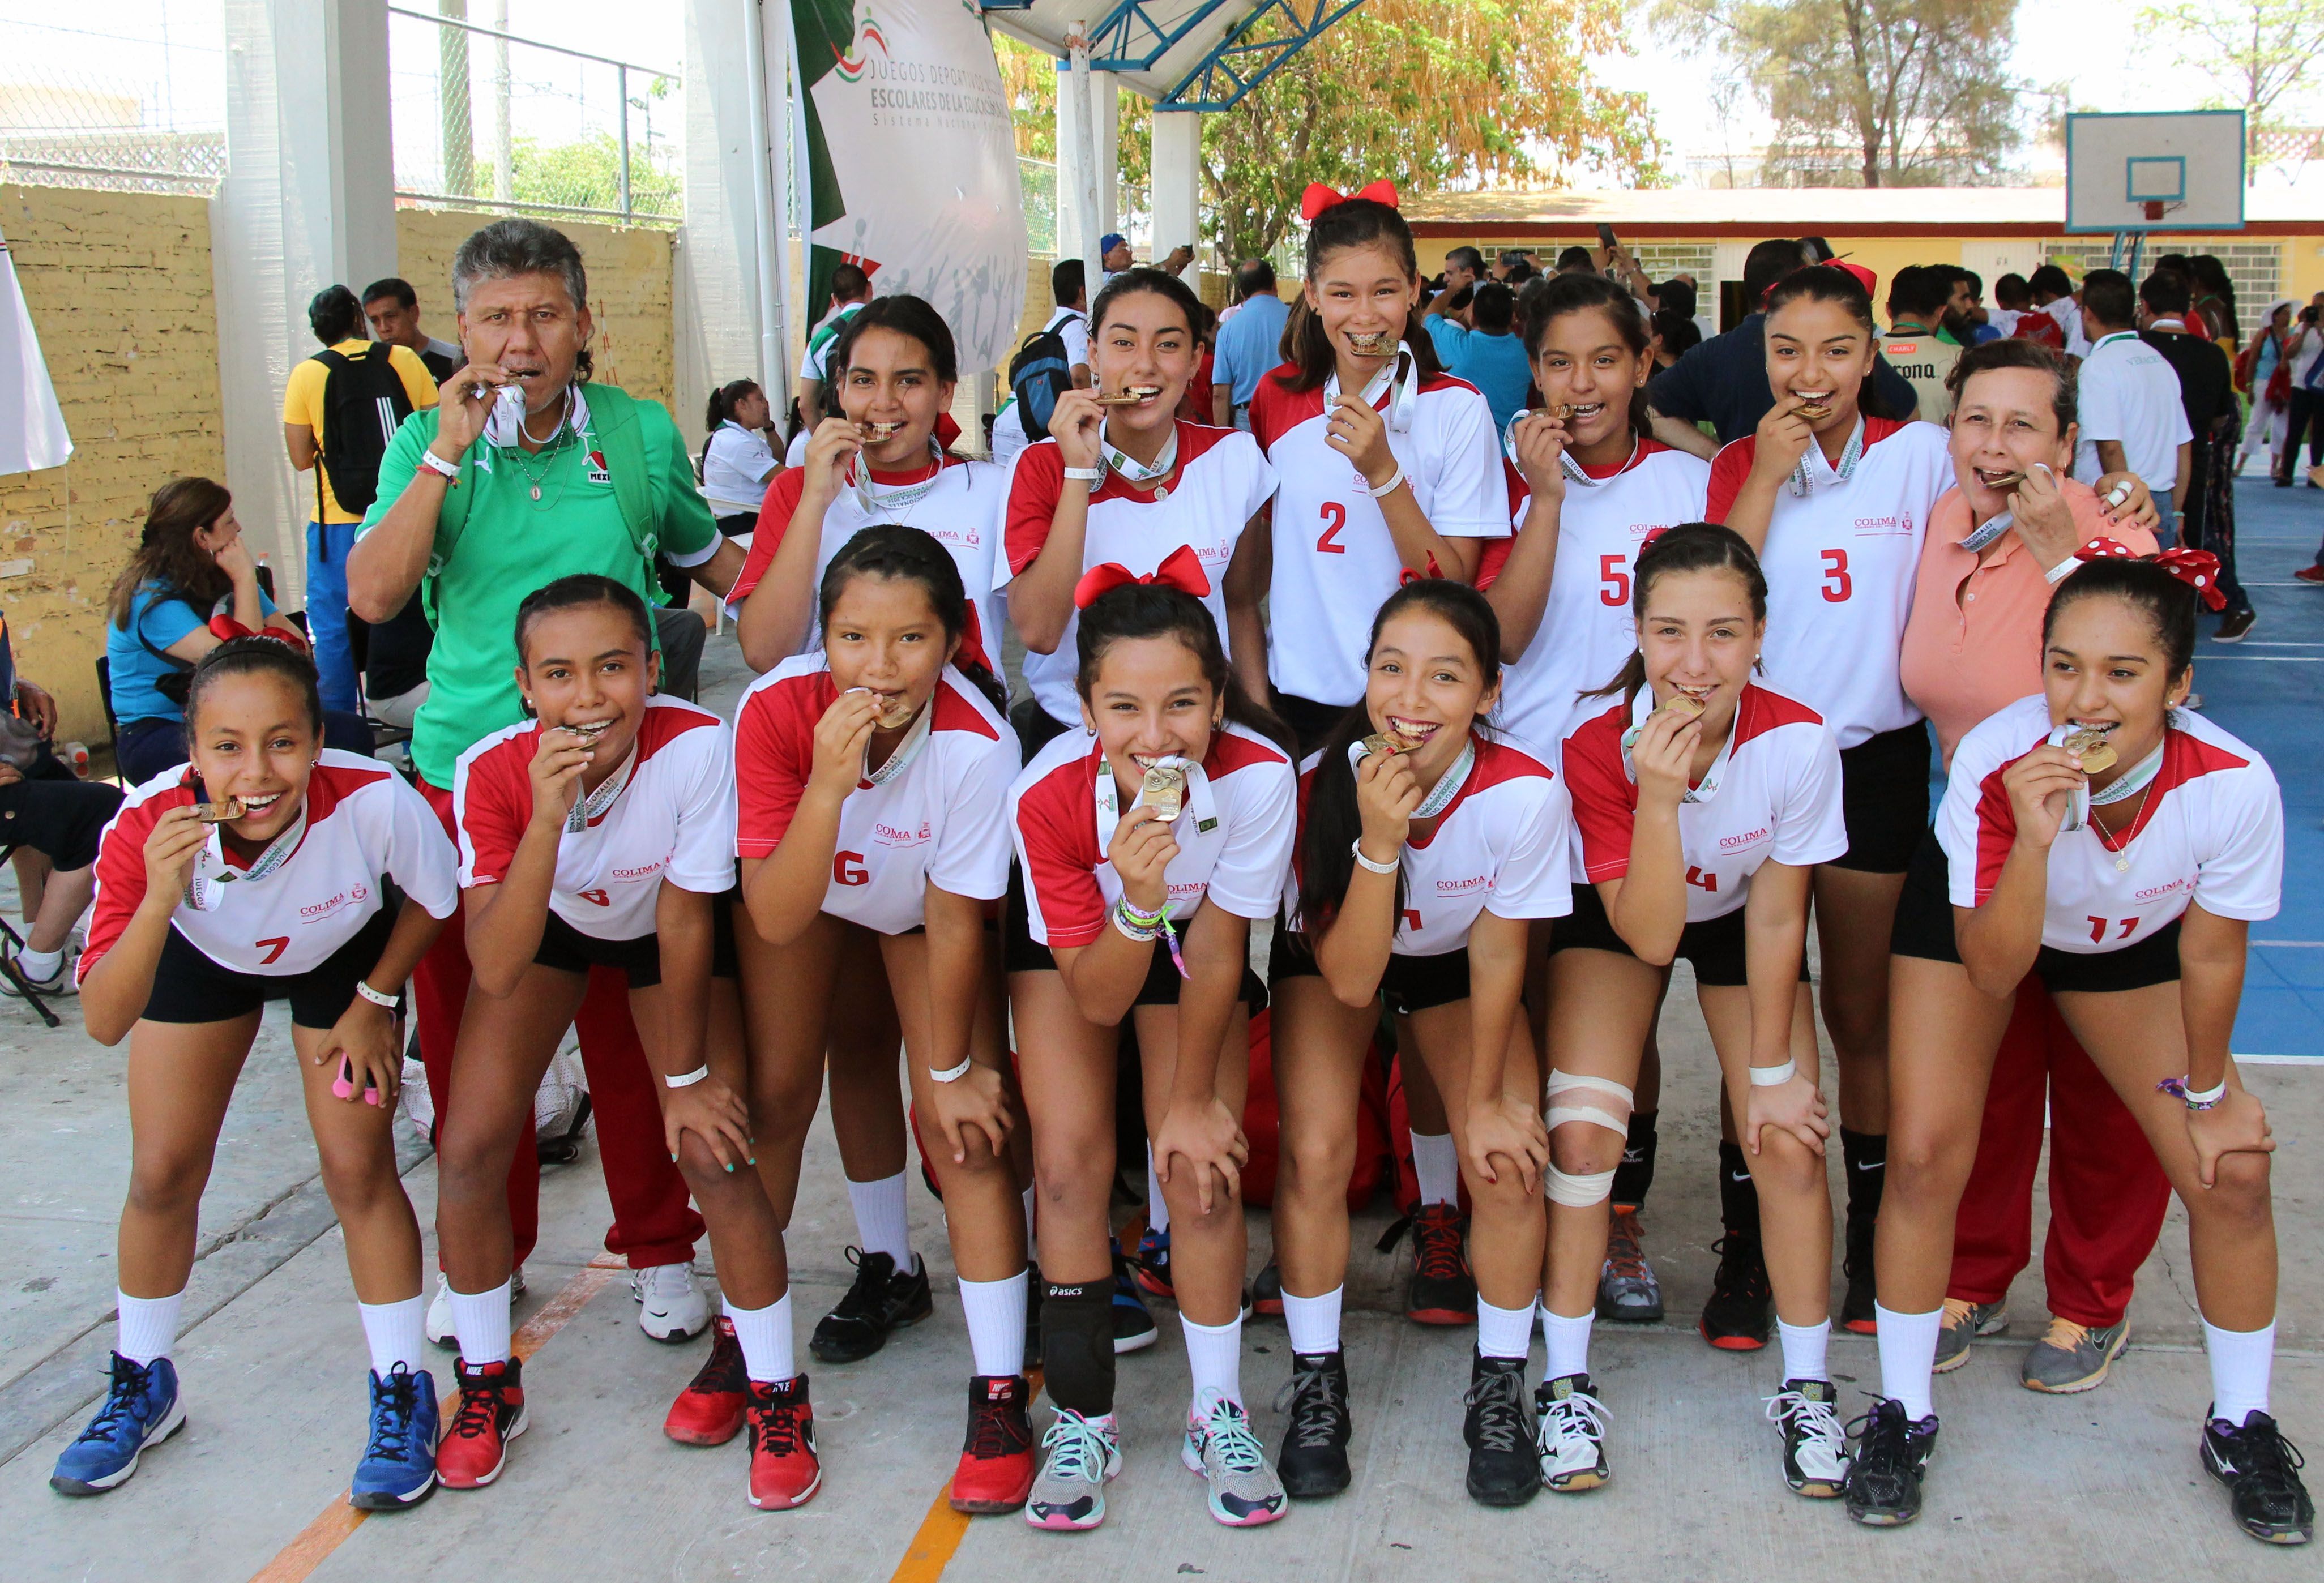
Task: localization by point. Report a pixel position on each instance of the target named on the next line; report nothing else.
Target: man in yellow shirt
(340, 408)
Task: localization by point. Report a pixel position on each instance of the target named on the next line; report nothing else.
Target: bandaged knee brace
(1578, 1191)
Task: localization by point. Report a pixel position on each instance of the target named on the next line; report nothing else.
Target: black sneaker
(1571, 1441)
(1133, 1324)
(1815, 1445)
(1502, 1467)
(1444, 1290)
(1314, 1461)
(2236, 626)
(1890, 1454)
(1266, 1296)
(2261, 1469)
(1855, 1309)
(1736, 1316)
(883, 1299)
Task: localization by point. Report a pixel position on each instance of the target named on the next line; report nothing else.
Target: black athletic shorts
(1924, 929)
(1410, 984)
(1311, 722)
(188, 987)
(1884, 798)
(1022, 953)
(569, 950)
(1715, 946)
(57, 814)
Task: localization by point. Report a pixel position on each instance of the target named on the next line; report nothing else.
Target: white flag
(31, 426)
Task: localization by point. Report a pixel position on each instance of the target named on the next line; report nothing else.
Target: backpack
(1037, 375)
(364, 402)
(1262, 1121)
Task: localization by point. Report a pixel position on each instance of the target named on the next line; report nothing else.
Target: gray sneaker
(2074, 1357)
(1627, 1290)
(1243, 1488)
(1963, 1323)
(1069, 1495)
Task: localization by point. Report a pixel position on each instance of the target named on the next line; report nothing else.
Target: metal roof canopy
(1183, 54)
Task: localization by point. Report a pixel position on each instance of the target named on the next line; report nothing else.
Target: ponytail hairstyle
(1327, 857)
(2146, 586)
(1355, 222)
(892, 549)
(578, 591)
(1157, 610)
(1576, 293)
(725, 399)
(1828, 282)
(256, 655)
(1690, 546)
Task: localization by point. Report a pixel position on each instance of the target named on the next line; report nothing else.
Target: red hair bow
(1181, 569)
(225, 629)
(971, 640)
(2197, 569)
(1318, 196)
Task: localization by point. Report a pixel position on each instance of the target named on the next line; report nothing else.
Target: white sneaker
(1572, 1437)
(1815, 1443)
(439, 1324)
(60, 982)
(671, 1305)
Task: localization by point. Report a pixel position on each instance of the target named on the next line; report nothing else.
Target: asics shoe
(1815, 1442)
(1891, 1454)
(2261, 1469)
(1735, 1317)
(1082, 1454)
(710, 1410)
(1444, 1290)
(1314, 1461)
(784, 1469)
(1627, 1288)
(1963, 1323)
(399, 1461)
(490, 1414)
(1152, 1263)
(1570, 1435)
(671, 1305)
(439, 1324)
(1265, 1295)
(1243, 1489)
(996, 1463)
(1133, 1325)
(1857, 1305)
(882, 1300)
(2071, 1357)
(1503, 1470)
(141, 1408)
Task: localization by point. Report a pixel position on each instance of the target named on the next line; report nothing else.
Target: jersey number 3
(1335, 517)
(1837, 584)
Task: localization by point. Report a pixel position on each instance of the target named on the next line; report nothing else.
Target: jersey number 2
(1837, 584)
(1335, 517)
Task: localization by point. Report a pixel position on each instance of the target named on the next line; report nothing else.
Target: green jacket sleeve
(398, 463)
(687, 527)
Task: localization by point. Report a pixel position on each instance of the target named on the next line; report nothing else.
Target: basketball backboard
(2172, 171)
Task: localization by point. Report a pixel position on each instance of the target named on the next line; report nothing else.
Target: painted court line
(942, 1530)
(331, 1528)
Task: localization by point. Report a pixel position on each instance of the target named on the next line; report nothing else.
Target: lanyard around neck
(212, 871)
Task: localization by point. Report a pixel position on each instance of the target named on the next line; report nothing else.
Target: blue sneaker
(1152, 1264)
(399, 1463)
(141, 1408)
(1133, 1326)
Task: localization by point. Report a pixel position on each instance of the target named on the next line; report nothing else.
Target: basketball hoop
(2154, 209)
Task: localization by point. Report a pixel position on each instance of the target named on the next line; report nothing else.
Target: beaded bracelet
(2195, 1100)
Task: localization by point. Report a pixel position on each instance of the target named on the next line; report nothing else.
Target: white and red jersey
(361, 823)
(1234, 836)
(1222, 482)
(1772, 792)
(961, 512)
(1499, 847)
(940, 818)
(2210, 831)
(1334, 560)
(1841, 562)
(1587, 632)
(669, 816)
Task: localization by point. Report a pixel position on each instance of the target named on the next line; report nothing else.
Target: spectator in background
(339, 411)
(1463, 266)
(1114, 257)
(2053, 296)
(53, 818)
(1675, 335)
(737, 462)
(1248, 344)
(1576, 261)
(392, 307)
(1070, 318)
(2214, 300)
(2304, 391)
(1921, 297)
(2131, 418)
(2012, 298)
(1490, 357)
(1974, 320)
(1198, 405)
(1447, 317)
(2262, 373)
(2207, 395)
(851, 289)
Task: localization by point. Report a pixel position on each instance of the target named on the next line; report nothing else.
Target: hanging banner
(911, 163)
(31, 426)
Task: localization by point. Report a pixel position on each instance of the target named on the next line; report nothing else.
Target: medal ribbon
(1642, 709)
(212, 870)
(875, 497)
(1141, 474)
(915, 738)
(1407, 387)
(1803, 485)
(593, 806)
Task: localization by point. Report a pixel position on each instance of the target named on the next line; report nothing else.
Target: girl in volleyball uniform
(1147, 844)
(2118, 847)
(1426, 849)
(259, 872)
(601, 834)
(1702, 802)
(1388, 465)
(874, 775)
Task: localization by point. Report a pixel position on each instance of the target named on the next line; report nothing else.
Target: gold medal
(219, 812)
(1165, 791)
(1369, 343)
(2090, 746)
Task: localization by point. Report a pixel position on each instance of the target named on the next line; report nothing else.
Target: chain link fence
(133, 103)
(485, 120)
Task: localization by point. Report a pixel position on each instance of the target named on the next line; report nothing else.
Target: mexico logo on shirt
(598, 473)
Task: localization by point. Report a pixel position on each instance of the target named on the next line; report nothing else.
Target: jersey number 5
(1837, 584)
(1614, 581)
(2098, 929)
(848, 869)
(1335, 517)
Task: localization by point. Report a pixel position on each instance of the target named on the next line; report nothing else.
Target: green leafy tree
(1890, 93)
(2255, 51)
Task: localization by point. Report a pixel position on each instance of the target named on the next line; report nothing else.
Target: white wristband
(1357, 847)
(1085, 475)
(690, 1079)
(954, 1073)
(1774, 1077)
(2204, 1101)
(1389, 488)
(390, 1001)
(436, 463)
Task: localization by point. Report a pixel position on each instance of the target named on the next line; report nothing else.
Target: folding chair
(10, 943)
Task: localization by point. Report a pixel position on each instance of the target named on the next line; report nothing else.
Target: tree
(2257, 51)
(1896, 93)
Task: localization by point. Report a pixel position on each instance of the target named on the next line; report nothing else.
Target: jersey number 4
(1703, 879)
(2098, 929)
(1335, 517)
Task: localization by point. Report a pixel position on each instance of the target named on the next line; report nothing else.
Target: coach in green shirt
(482, 501)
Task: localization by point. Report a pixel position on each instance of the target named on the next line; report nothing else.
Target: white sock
(1029, 1193)
(765, 1334)
(880, 1223)
(396, 1331)
(1568, 1340)
(1803, 1350)
(1157, 1207)
(1908, 1353)
(481, 1321)
(40, 967)
(148, 1325)
(1504, 1333)
(1437, 1164)
(1214, 1358)
(996, 1323)
(2241, 1361)
(1314, 1322)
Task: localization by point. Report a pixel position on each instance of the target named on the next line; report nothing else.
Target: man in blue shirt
(1248, 344)
(1492, 359)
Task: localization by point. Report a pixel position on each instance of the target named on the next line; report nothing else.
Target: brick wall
(119, 288)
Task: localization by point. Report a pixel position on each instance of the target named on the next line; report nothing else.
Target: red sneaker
(710, 1410)
(784, 1471)
(2314, 574)
(1444, 1290)
(491, 1414)
(996, 1465)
